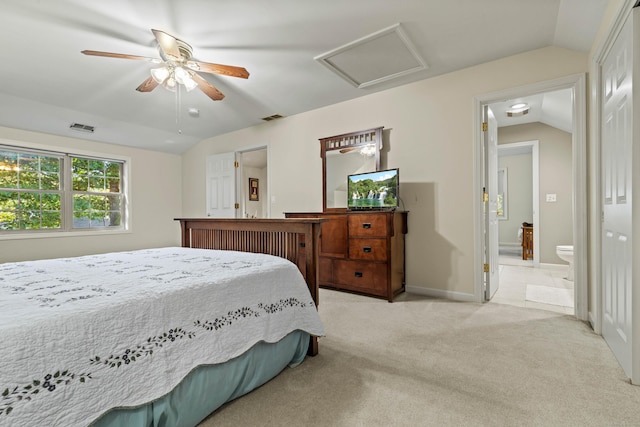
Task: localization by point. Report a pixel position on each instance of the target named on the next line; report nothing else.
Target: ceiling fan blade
(168, 44)
(147, 85)
(120, 55)
(347, 150)
(227, 70)
(207, 88)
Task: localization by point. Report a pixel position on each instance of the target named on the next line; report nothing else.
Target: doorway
(253, 183)
(535, 278)
(519, 168)
(579, 203)
(237, 184)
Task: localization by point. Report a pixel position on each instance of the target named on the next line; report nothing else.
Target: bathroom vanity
(527, 242)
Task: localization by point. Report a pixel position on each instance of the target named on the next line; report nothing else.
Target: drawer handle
(366, 249)
(366, 225)
(358, 273)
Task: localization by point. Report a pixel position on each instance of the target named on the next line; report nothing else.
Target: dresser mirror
(344, 155)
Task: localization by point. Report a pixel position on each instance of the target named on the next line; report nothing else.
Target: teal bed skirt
(206, 388)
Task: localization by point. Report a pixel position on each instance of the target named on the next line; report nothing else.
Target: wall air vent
(82, 128)
(273, 117)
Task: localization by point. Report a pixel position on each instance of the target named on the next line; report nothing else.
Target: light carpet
(430, 362)
(549, 295)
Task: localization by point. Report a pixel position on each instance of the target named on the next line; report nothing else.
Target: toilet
(565, 252)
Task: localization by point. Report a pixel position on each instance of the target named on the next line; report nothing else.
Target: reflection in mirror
(344, 155)
(344, 162)
(502, 205)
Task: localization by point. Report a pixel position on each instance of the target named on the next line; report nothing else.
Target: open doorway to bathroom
(486, 242)
(535, 277)
(535, 191)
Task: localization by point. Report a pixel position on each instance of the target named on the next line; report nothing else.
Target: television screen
(373, 190)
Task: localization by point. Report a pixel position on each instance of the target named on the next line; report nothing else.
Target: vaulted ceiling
(46, 84)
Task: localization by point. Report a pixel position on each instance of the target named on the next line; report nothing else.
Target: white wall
(156, 183)
(429, 132)
(519, 195)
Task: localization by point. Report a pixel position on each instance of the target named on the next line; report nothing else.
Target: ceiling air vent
(82, 128)
(274, 117)
(376, 58)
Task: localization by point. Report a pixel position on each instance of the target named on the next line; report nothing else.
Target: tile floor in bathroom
(522, 285)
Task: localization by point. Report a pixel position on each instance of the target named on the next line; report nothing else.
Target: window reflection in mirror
(502, 205)
(344, 162)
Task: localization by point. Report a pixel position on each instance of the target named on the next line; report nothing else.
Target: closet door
(617, 170)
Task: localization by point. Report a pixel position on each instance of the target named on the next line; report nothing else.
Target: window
(48, 191)
(97, 199)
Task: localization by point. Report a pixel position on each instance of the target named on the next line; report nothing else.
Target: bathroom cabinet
(362, 251)
(527, 242)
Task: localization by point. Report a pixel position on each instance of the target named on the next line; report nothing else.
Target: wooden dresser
(361, 251)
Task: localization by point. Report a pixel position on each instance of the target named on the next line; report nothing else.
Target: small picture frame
(254, 190)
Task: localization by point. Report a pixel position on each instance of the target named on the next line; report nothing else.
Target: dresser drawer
(364, 225)
(361, 275)
(368, 249)
(325, 270)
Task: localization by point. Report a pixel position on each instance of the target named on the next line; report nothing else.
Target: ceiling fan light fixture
(170, 83)
(183, 77)
(189, 84)
(176, 67)
(160, 74)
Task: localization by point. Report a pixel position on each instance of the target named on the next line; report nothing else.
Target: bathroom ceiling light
(519, 109)
(517, 113)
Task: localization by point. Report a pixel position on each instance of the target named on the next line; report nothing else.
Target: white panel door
(221, 185)
(616, 170)
(490, 137)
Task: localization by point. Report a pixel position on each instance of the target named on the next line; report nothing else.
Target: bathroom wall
(556, 168)
(519, 196)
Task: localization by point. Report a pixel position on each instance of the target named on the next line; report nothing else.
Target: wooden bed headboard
(294, 239)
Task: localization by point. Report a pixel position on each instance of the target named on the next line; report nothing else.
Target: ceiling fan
(178, 67)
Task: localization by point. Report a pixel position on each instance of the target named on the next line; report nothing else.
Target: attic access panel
(376, 58)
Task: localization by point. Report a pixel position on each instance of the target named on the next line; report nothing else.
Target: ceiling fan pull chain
(178, 109)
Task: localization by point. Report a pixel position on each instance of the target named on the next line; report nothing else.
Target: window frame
(67, 209)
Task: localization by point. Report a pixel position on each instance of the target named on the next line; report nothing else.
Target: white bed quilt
(83, 335)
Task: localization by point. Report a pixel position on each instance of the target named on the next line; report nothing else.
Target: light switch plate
(551, 197)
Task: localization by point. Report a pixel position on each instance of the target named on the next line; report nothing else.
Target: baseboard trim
(439, 293)
(592, 323)
(553, 266)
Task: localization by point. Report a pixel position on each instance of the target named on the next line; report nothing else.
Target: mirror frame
(347, 140)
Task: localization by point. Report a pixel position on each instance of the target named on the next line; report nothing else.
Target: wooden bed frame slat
(292, 239)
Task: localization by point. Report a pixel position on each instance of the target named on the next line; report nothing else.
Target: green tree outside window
(33, 195)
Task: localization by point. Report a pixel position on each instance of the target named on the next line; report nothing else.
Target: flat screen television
(373, 190)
